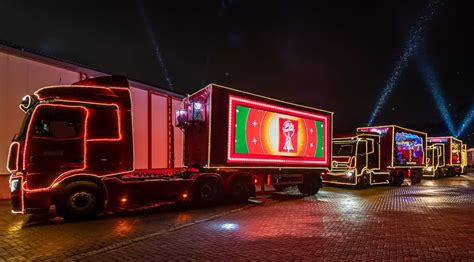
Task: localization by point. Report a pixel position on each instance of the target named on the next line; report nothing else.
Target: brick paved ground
(432, 221)
(40, 238)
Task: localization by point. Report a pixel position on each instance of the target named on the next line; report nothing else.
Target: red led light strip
(17, 160)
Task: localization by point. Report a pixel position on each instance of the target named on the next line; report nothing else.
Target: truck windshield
(343, 149)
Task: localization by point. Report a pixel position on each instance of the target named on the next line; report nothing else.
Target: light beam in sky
(416, 36)
(154, 43)
(431, 81)
(466, 122)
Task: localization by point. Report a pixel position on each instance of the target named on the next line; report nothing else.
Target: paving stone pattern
(433, 221)
(429, 222)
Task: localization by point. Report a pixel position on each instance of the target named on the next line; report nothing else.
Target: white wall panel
(159, 127)
(140, 126)
(178, 137)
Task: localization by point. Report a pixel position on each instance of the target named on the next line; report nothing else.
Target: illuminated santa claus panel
(264, 133)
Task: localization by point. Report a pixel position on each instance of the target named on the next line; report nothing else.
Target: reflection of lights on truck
(378, 155)
(446, 157)
(85, 147)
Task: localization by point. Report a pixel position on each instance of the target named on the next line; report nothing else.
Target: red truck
(378, 155)
(79, 148)
(445, 157)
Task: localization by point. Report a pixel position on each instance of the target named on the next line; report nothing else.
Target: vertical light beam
(154, 43)
(416, 35)
(466, 122)
(431, 81)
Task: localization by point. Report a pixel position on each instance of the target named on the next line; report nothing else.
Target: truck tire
(450, 172)
(80, 200)
(417, 176)
(241, 189)
(310, 185)
(398, 178)
(363, 181)
(207, 192)
(392, 179)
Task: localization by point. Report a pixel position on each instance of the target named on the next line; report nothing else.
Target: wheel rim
(207, 191)
(82, 201)
(240, 188)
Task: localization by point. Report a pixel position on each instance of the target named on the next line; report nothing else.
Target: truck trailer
(80, 147)
(445, 157)
(378, 155)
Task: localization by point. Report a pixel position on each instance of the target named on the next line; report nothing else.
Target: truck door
(55, 143)
(361, 155)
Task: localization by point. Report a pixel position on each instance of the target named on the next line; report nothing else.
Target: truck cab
(356, 161)
(70, 134)
(434, 161)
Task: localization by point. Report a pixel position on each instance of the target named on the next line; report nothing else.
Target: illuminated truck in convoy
(378, 155)
(445, 157)
(80, 147)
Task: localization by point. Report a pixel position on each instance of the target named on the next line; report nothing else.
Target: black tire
(310, 186)
(279, 188)
(392, 179)
(207, 192)
(398, 179)
(241, 189)
(450, 173)
(363, 181)
(416, 177)
(80, 200)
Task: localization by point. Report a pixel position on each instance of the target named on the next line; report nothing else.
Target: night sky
(332, 55)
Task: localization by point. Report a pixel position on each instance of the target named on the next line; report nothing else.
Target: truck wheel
(241, 189)
(80, 200)
(398, 178)
(310, 185)
(418, 176)
(450, 172)
(392, 179)
(363, 181)
(207, 192)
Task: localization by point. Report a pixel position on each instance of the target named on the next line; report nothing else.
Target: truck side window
(55, 123)
(103, 123)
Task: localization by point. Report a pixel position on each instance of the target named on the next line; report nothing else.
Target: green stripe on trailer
(320, 134)
(241, 115)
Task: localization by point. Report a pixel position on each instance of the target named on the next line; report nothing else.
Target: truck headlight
(350, 173)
